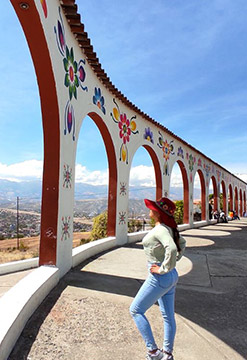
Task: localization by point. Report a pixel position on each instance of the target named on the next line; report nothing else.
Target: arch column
(203, 195)
(241, 202)
(230, 197)
(30, 20)
(191, 204)
(236, 207)
(244, 201)
(216, 192)
(224, 197)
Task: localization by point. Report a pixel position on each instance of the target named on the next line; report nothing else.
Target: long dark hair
(176, 237)
(175, 231)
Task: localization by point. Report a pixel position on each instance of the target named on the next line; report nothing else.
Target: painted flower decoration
(148, 135)
(123, 188)
(65, 227)
(99, 100)
(166, 146)
(71, 79)
(218, 173)
(122, 217)
(199, 162)
(167, 149)
(67, 176)
(207, 169)
(191, 160)
(124, 126)
(180, 152)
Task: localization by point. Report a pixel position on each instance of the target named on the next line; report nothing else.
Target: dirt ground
(29, 247)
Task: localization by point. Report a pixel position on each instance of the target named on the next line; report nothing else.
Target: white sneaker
(167, 356)
(158, 355)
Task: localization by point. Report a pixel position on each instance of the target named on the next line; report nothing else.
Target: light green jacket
(160, 247)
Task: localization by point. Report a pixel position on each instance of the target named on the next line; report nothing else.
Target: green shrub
(99, 230)
(179, 212)
(84, 241)
(22, 246)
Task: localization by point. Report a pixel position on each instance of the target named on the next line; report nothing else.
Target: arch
(241, 202)
(203, 194)
(230, 198)
(215, 191)
(244, 202)
(236, 207)
(50, 120)
(186, 191)
(224, 196)
(157, 170)
(112, 164)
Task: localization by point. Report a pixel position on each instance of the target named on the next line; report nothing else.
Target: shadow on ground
(218, 306)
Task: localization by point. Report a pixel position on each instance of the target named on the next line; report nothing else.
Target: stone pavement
(87, 315)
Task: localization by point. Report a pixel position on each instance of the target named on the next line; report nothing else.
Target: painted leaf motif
(75, 91)
(116, 114)
(70, 92)
(66, 64)
(133, 125)
(124, 153)
(72, 55)
(67, 52)
(76, 81)
(75, 66)
(66, 80)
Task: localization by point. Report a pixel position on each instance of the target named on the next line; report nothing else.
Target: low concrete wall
(201, 223)
(183, 227)
(84, 252)
(136, 236)
(20, 265)
(19, 303)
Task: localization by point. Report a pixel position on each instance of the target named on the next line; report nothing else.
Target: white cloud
(95, 177)
(26, 170)
(142, 176)
(139, 175)
(176, 179)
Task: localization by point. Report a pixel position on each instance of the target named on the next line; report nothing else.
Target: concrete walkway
(87, 315)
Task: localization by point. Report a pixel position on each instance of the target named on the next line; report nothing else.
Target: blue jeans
(159, 288)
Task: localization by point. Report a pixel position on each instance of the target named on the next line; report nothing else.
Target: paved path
(86, 316)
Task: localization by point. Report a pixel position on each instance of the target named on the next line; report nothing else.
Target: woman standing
(163, 246)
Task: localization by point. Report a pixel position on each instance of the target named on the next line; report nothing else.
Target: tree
(179, 212)
(134, 225)
(99, 230)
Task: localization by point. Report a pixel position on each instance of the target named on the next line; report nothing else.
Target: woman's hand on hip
(154, 269)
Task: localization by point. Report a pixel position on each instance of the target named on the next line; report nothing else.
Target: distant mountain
(90, 199)
(9, 190)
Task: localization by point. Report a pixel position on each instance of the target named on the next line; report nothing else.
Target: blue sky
(181, 62)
